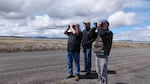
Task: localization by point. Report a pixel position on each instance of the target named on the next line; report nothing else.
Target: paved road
(126, 66)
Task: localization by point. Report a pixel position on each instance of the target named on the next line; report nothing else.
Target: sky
(129, 19)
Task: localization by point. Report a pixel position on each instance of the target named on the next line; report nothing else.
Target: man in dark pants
(87, 40)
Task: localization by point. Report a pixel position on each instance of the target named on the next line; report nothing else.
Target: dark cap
(105, 22)
(87, 22)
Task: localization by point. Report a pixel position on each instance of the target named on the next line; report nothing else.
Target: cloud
(35, 26)
(121, 18)
(55, 33)
(50, 17)
(27, 16)
(136, 34)
(41, 22)
(59, 9)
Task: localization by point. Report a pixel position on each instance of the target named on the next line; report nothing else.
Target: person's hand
(95, 24)
(68, 26)
(99, 24)
(71, 25)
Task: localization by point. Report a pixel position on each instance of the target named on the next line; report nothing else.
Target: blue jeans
(87, 59)
(76, 57)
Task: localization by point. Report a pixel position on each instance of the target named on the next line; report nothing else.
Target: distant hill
(131, 41)
(44, 37)
(39, 37)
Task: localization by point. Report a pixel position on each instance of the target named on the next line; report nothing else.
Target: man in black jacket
(106, 36)
(87, 40)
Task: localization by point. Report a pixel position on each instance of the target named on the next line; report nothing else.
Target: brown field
(8, 44)
(30, 44)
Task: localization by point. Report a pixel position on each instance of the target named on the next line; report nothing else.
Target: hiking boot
(88, 73)
(83, 70)
(70, 76)
(77, 78)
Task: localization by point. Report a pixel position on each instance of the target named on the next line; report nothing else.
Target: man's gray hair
(77, 27)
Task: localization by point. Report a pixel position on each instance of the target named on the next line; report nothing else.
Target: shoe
(70, 76)
(88, 73)
(77, 78)
(83, 70)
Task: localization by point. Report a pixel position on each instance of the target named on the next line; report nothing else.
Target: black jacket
(88, 37)
(107, 37)
(74, 42)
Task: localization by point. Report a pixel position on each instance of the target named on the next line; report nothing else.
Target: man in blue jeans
(73, 50)
(87, 40)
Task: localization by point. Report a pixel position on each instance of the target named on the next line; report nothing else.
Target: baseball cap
(105, 21)
(86, 22)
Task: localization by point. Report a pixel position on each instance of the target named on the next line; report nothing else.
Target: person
(102, 49)
(73, 50)
(87, 40)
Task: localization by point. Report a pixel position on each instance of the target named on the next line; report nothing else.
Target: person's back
(74, 42)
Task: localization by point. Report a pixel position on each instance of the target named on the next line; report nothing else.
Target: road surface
(126, 66)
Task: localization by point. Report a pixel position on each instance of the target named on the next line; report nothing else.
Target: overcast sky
(129, 19)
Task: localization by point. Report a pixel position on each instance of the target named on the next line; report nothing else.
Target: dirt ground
(126, 66)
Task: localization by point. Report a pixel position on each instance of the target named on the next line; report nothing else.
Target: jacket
(106, 43)
(88, 38)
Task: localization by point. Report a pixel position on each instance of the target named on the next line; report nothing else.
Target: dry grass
(130, 45)
(29, 44)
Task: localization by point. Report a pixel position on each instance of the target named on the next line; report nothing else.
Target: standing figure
(102, 49)
(73, 50)
(87, 40)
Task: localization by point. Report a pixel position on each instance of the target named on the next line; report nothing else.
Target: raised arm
(73, 29)
(65, 32)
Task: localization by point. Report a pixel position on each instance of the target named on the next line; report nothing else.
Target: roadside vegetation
(32, 44)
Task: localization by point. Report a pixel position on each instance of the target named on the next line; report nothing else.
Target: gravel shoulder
(126, 66)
